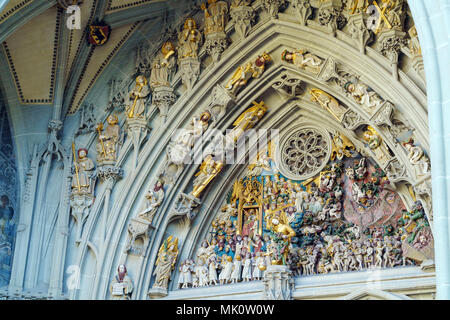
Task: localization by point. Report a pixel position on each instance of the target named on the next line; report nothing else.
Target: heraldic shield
(98, 34)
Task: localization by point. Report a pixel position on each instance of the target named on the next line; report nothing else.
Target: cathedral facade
(228, 149)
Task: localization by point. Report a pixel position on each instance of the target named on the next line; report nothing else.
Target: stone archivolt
(344, 213)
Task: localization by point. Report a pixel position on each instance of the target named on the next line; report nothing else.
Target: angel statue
(121, 287)
(163, 65)
(153, 200)
(303, 60)
(243, 74)
(167, 256)
(207, 172)
(280, 233)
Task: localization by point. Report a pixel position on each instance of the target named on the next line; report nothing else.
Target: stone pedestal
(163, 99)
(190, 71)
(157, 293)
(243, 17)
(80, 204)
(137, 130)
(278, 283)
(215, 44)
(138, 228)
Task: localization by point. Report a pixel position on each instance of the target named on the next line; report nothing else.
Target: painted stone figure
(163, 66)
(216, 16)
(82, 179)
(417, 158)
(137, 96)
(189, 40)
(303, 60)
(108, 139)
(243, 74)
(165, 263)
(208, 170)
(121, 287)
(153, 200)
(363, 95)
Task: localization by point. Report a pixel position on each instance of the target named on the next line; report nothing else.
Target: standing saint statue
(138, 95)
(189, 40)
(108, 140)
(165, 263)
(216, 16)
(153, 200)
(163, 66)
(121, 287)
(82, 179)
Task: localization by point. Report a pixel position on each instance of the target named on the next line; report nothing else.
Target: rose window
(304, 153)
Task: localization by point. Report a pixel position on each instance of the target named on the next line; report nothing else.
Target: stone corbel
(187, 205)
(390, 44)
(163, 98)
(219, 102)
(330, 14)
(383, 116)
(359, 32)
(190, 71)
(352, 120)
(274, 7)
(303, 9)
(137, 130)
(80, 204)
(216, 44)
(243, 17)
(138, 228)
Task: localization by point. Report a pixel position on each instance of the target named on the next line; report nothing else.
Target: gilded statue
(303, 60)
(137, 96)
(243, 74)
(163, 65)
(84, 170)
(108, 140)
(246, 120)
(357, 6)
(167, 257)
(341, 147)
(281, 234)
(328, 102)
(216, 16)
(121, 287)
(207, 172)
(189, 40)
